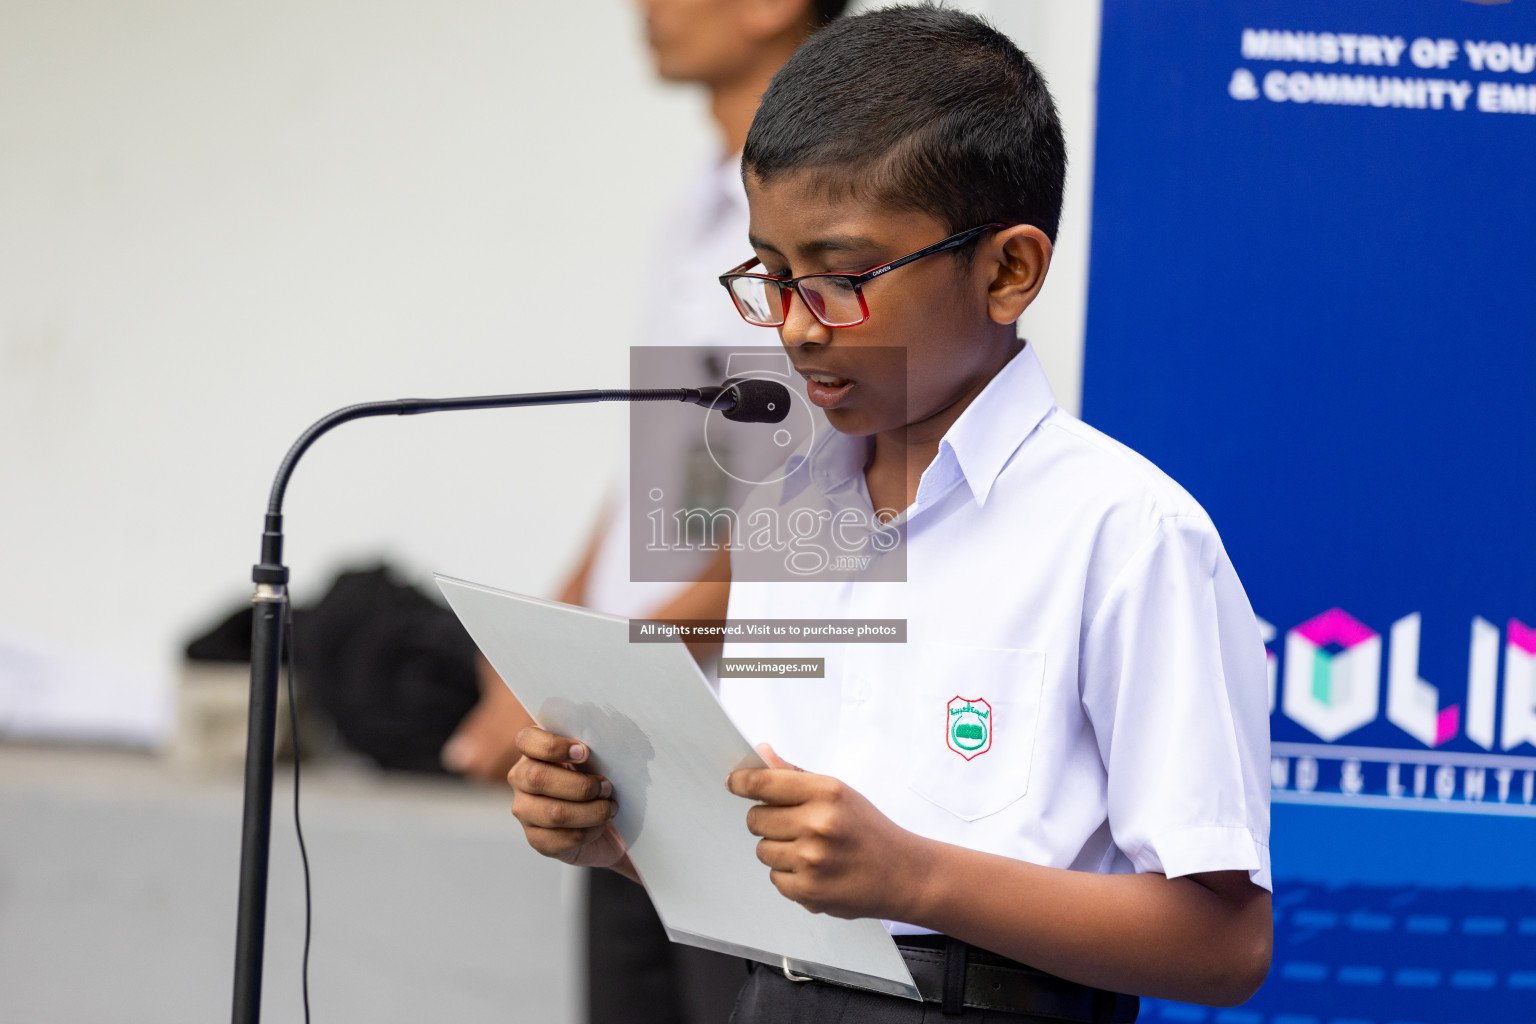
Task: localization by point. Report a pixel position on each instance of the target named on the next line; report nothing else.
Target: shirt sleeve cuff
(1208, 848)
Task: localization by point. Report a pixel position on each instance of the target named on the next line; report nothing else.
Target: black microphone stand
(271, 600)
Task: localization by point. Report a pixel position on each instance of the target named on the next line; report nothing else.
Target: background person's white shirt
(703, 236)
(1086, 597)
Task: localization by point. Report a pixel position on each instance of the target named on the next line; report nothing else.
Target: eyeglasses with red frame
(835, 300)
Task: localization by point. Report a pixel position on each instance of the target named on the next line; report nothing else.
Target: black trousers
(770, 998)
(636, 975)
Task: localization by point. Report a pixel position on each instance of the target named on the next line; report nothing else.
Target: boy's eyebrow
(817, 246)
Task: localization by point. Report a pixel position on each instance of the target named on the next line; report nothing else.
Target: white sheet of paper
(658, 733)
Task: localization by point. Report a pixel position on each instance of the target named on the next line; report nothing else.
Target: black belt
(953, 974)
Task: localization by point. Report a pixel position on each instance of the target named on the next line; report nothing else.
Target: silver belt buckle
(791, 975)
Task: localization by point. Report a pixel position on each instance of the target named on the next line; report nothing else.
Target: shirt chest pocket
(971, 720)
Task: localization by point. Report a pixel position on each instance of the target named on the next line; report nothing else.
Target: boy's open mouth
(825, 389)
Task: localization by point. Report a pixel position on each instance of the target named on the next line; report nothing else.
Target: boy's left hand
(826, 846)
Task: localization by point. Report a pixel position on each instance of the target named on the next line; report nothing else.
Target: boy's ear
(1019, 259)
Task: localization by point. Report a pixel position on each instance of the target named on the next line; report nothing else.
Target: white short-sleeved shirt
(1086, 599)
(702, 235)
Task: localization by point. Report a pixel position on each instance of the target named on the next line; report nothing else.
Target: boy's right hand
(566, 811)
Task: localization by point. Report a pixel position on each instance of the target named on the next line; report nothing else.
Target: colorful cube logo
(1332, 674)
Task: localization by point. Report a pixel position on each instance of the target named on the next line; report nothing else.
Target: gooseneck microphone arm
(725, 398)
(745, 400)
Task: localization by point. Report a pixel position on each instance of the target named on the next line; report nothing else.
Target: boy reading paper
(1054, 793)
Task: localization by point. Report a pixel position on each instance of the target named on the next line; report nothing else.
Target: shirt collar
(979, 444)
(975, 448)
(834, 466)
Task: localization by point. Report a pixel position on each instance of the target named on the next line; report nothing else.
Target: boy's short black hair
(917, 108)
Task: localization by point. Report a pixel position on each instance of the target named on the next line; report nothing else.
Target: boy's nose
(800, 327)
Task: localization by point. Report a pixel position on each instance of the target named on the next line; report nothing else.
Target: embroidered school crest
(969, 729)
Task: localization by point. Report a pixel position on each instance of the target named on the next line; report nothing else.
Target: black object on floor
(390, 668)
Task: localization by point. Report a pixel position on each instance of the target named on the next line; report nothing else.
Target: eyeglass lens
(761, 302)
(832, 300)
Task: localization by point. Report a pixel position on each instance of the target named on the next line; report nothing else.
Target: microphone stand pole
(271, 601)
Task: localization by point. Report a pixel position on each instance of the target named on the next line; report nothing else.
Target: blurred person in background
(732, 48)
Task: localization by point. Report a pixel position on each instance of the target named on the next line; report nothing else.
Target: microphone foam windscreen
(758, 401)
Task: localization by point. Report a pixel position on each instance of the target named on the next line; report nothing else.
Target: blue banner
(1313, 302)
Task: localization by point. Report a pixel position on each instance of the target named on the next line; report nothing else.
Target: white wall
(1062, 37)
(218, 223)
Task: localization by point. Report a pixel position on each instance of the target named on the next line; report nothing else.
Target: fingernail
(605, 790)
(578, 751)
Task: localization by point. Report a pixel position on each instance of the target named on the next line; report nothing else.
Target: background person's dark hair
(824, 12)
(917, 108)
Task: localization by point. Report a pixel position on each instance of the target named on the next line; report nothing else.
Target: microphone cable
(298, 828)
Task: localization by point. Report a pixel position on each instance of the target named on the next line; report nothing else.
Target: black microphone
(745, 400)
